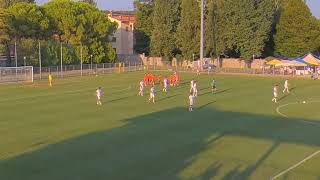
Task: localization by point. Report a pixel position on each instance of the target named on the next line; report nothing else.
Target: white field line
(286, 116)
(284, 105)
(53, 94)
(295, 165)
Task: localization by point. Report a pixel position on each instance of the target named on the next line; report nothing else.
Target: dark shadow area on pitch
(237, 173)
(159, 146)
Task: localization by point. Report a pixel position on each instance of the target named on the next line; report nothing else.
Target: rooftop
(123, 16)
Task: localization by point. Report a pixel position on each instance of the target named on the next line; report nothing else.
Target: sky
(128, 5)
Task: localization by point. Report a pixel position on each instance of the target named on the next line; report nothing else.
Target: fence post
(96, 68)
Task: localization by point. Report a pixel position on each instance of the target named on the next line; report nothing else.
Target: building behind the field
(123, 39)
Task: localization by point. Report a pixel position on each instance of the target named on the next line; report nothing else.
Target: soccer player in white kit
(194, 88)
(275, 93)
(99, 95)
(286, 86)
(141, 91)
(191, 85)
(152, 94)
(191, 102)
(165, 85)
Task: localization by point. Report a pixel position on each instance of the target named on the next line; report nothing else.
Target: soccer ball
(304, 102)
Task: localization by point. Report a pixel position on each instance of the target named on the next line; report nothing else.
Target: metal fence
(85, 69)
(265, 71)
(105, 68)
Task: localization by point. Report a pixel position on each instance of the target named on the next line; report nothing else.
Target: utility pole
(202, 34)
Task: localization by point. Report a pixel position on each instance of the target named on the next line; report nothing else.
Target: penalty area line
(304, 121)
(281, 106)
(295, 165)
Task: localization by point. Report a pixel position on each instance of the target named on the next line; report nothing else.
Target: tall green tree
(28, 25)
(188, 31)
(144, 26)
(92, 2)
(166, 17)
(4, 25)
(297, 32)
(82, 24)
(5, 19)
(28, 21)
(254, 33)
(210, 29)
(240, 27)
(7, 3)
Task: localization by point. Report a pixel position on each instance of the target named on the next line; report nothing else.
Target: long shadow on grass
(162, 146)
(283, 97)
(119, 99)
(218, 92)
(167, 97)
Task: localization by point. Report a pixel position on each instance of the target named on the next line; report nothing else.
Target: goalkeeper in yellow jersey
(50, 78)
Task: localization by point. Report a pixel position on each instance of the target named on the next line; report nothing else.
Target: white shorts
(98, 97)
(152, 95)
(275, 94)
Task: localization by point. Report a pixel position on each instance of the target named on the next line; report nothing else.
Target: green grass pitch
(59, 133)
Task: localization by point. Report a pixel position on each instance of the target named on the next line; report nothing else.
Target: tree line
(79, 29)
(233, 28)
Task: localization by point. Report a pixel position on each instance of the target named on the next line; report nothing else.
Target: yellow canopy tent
(274, 62)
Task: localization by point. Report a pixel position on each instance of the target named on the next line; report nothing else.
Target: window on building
(114, 39)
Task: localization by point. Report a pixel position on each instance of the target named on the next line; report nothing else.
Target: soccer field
(59, 133)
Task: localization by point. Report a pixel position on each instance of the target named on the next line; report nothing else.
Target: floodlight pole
(61, 58)
(202, 34)
(24, 63)
(91, 56)
(16, 58)
(40, 63)
(81, 58)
